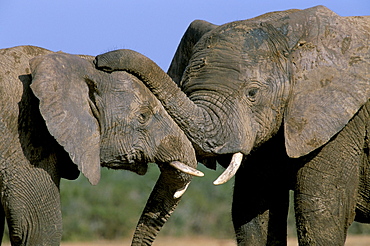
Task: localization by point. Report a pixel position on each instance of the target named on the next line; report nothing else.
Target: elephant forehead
(240, 34)
(143, 93)
(235, 46)
(120, 81)
(228, 66)
(129, 89)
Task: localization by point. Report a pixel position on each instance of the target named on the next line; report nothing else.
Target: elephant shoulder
(14, 63)
(15, 77)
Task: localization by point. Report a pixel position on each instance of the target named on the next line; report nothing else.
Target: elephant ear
(332, 80)
(59, 82)
(185, 49)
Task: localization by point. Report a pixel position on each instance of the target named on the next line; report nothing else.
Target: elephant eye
(252, 93)
(144, 116)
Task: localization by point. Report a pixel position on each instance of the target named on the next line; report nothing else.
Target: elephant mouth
(139, 168)
(131, 163)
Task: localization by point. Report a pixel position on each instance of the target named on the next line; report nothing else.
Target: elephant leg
(32, 206)
(326, 191)
(261, 195)
(363, 201)
(260, 208)
(2, 223)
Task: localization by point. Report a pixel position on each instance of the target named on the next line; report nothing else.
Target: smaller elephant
(288, 90)
(59, 116)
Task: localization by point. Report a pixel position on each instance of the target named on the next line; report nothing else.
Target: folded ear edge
(58, 83)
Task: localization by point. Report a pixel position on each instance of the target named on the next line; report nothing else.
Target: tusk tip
(178, 194)
(231, 170)
(200, 174)
(186, 169)
(219, 182)
(181, 192)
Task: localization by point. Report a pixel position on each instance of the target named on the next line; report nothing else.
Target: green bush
(111, 209)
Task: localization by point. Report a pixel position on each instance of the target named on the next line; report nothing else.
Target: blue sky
(152, 27)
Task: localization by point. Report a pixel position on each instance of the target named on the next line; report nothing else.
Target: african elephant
(290, 92)
(59, 116)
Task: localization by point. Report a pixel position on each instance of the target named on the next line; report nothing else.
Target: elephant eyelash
(253, 87)
(144, 115)
(252, 94)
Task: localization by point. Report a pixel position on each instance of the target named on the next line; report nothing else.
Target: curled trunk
(203, 113)
(196, 121)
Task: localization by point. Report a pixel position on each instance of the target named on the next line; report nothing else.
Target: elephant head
(113, 120)
(305, 71)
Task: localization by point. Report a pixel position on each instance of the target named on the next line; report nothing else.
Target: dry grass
(196, 241)
(351, 241)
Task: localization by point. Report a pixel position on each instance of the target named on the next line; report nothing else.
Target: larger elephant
(288, 90)
(59, 116)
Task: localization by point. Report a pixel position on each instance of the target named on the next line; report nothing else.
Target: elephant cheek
(175, 148)
(240, 134)
(114, 148)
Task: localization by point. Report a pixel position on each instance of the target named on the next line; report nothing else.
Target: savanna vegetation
(111, 209)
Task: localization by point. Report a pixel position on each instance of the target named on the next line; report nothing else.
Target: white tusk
(181, 192)
(230, 171)
(186, 169)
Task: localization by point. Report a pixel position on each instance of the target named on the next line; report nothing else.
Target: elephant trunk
(176, 159)
(162, 202)
(195, 121)
(199, 118)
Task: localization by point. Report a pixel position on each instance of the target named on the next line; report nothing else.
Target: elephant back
(24, 136)
(14, 77)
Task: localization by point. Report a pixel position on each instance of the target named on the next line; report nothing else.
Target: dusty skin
(235, 83)
(196, 241)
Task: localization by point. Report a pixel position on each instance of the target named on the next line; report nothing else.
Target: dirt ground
(197, 241)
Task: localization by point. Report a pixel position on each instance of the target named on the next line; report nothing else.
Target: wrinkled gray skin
(290, 90)
(71, 117)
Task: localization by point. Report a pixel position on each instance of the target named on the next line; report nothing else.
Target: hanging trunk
(162, 202)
